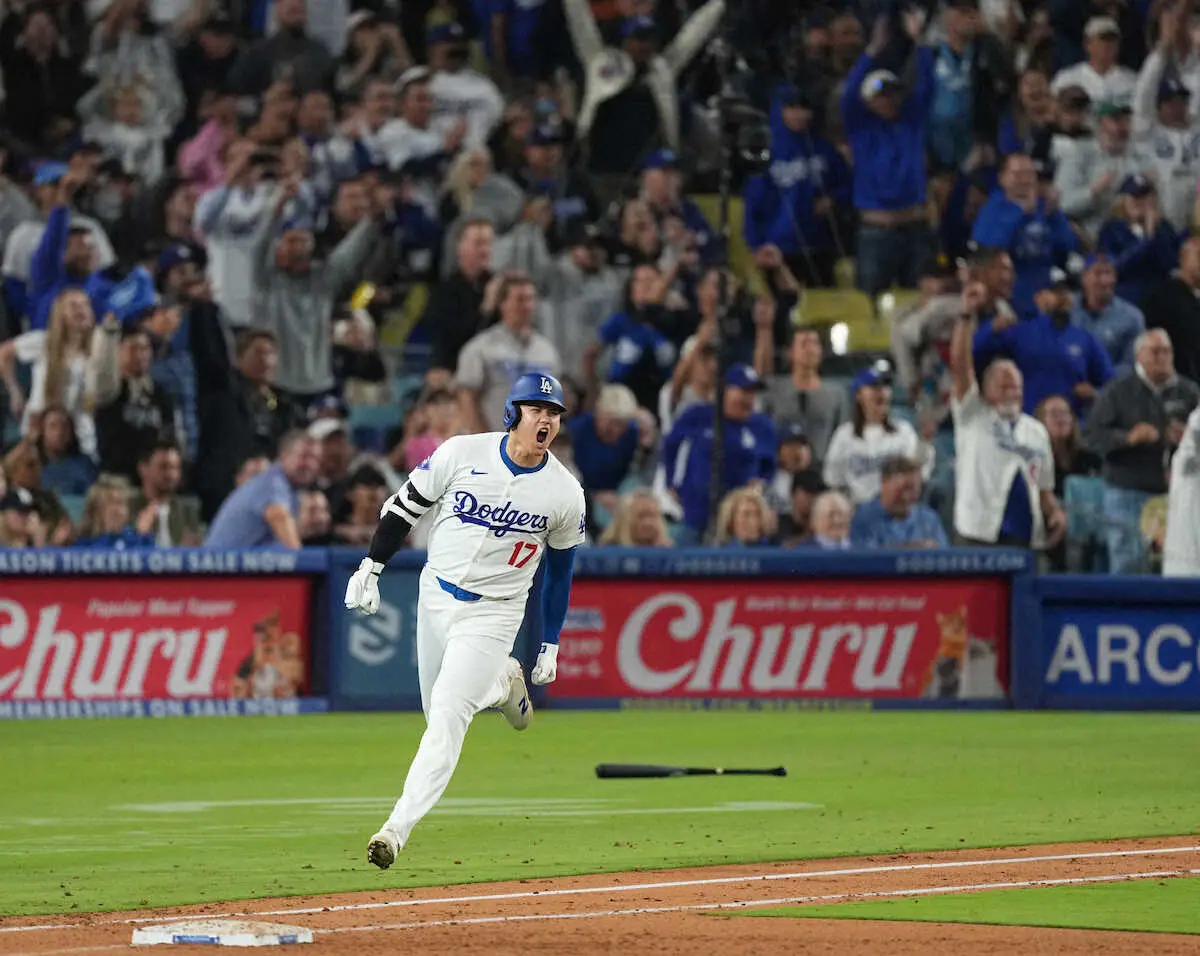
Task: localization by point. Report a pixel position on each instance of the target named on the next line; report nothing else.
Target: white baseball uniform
(492, 521)
(1181, 547)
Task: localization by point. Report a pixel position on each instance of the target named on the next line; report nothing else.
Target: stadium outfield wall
(198, 632)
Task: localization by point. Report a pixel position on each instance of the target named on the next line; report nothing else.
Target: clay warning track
(672, 911)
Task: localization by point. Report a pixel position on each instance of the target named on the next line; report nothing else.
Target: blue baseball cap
(445, 33)
(175, 255)
(547, 134)
(639, 26)
(661, 159)
(793, 95)
(1170, 88)
(1057, 279)
(878, 374)
(877, 82)
(742, 375)
(132, 297)
(1137, 185)
(48, 174)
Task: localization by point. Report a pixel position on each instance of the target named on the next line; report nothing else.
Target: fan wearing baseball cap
(859, 447)
(1162, 115)
(750, 448)
(1139, 239)
(631, 98)
(886, 127)
(792, 205)
(1054, 356)
(1100, 75)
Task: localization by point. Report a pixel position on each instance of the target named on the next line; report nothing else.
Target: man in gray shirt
(801, 398)
(295, 293)
(497, 357)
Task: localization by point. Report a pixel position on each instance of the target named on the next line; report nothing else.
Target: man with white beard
(1005, 468)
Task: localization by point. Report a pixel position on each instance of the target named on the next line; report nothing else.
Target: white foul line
(745, 904)
(624, 888)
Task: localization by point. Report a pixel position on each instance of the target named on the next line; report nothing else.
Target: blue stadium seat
(381, 417)
(1083, 497)
(73, 506)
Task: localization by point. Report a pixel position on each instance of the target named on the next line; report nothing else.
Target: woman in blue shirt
(65, 469)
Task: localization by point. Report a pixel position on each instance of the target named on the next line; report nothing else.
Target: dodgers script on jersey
(492, 520)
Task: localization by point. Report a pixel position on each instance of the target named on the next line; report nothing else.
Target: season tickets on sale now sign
(932, 639)
(159, 638)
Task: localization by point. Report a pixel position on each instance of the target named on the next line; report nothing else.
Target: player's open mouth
(542, 435)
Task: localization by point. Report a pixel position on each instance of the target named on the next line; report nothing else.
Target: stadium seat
(1083, 497)
(73, 506)
(895, 301)
(369, 424)
(844, 273)
(829, 307)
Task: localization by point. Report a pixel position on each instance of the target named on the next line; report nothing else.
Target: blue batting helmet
(529, 388)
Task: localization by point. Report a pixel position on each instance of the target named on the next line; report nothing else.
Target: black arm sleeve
(403, 510)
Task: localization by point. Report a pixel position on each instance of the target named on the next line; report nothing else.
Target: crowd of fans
(212, 216)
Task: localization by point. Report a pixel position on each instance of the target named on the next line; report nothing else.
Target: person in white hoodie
(858, 449)
(228, 218)
(459, 91)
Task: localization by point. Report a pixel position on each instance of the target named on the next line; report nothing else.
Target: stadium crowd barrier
(211, 632)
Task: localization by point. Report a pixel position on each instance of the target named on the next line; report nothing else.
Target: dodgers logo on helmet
(532, 387)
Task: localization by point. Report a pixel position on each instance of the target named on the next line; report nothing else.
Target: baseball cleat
(517, 707)
(382, 849)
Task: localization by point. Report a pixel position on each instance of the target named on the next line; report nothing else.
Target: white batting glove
(546, 667)
(362, 590)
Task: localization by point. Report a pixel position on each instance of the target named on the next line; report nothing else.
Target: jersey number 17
(522, 552)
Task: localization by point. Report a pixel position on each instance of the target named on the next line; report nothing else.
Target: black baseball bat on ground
(630, 771)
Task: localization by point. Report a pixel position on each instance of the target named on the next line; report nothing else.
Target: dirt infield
(669, 912)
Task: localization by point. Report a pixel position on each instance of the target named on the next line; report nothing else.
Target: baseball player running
(502, 504)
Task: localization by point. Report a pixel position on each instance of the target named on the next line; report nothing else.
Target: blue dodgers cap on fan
(639, 26)
(1137, 185)
(48, 174)
(878, 374)
(174, 255)
(132, 296)
(445, 33)
(661, 159)
(547, 134)
(742, 375)
(1170, 88)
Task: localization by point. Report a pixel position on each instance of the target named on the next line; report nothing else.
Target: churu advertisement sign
(911, 639)
(98, 639)
(1112, 655)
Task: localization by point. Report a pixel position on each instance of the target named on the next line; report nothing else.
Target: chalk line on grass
(751, 904)
(629, 887)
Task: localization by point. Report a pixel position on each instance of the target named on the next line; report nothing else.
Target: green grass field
(113, 814)
(1148, 906)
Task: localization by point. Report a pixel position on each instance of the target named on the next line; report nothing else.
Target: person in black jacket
(41, 85)
(133, 413)
(240, 412)
(1174, 305)
(454, 314)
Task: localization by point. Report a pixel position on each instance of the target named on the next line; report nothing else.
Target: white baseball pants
(462, 662)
